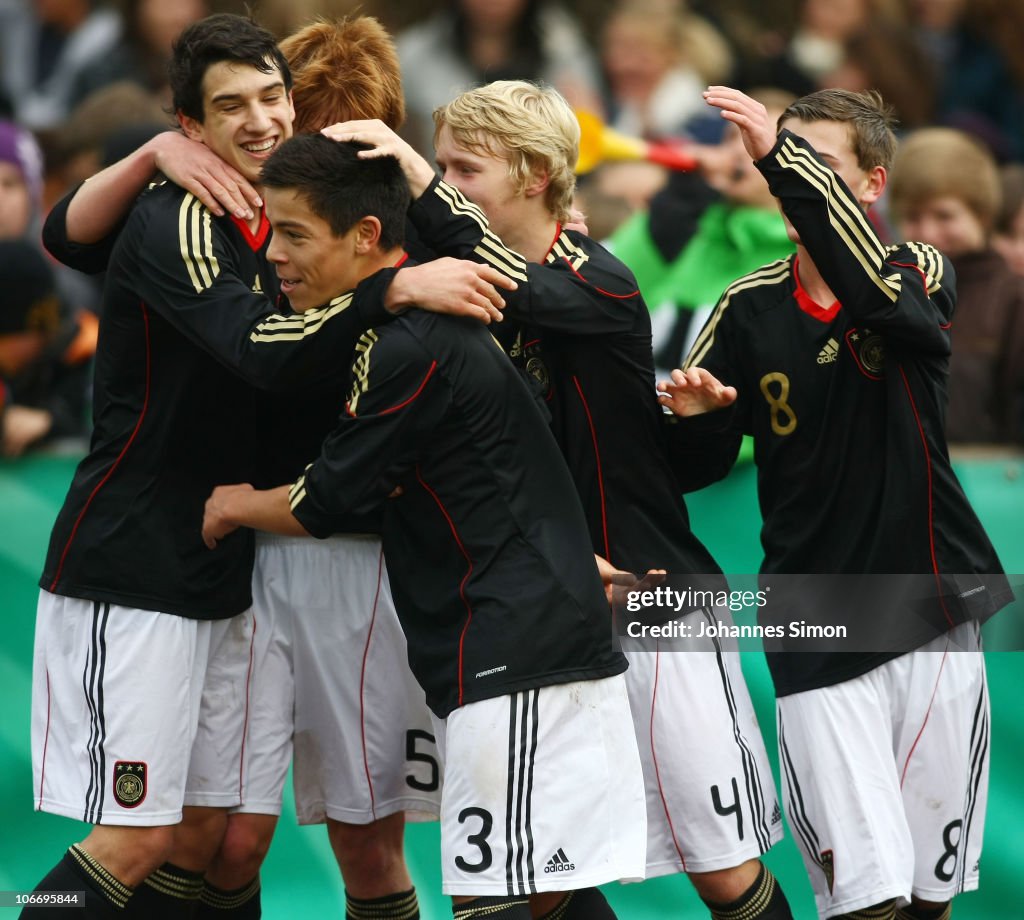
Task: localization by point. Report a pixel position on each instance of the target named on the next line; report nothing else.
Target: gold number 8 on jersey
(783, 417)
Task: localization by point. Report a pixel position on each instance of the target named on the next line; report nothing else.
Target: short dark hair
(339, 187)
(221, 37)
(870, 120)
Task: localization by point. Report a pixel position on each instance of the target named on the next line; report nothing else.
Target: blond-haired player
(507, 152)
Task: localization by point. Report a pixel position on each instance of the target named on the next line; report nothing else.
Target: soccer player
(507, 152)
(837, 360)
(495, 582)
(163, 633)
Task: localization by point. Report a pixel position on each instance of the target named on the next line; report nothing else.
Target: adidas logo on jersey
(559, 863)
(776, 814)
(829, 353)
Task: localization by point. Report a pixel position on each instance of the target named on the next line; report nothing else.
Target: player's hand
(218, 520)
(694, 392)
(197, 169)
(618, 583)
(21, 427)
(577, 221)
(384, 142)
(749, 115)
(452, 286)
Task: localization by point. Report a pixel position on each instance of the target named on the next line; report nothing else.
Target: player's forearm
(267, 510)
(102, 201)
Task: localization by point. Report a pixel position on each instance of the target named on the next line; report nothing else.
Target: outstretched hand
(454, 286)
(383, 142)
(748, 114)
(694, 392)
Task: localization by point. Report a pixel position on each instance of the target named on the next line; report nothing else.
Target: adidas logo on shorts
(559, 863)
(828, 354)
(776, 814)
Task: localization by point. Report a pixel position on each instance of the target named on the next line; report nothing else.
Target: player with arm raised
(839, 356)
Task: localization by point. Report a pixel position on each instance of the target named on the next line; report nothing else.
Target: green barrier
(300, 878)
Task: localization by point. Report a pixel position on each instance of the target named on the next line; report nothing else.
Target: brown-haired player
(306, 641)
(839, 359)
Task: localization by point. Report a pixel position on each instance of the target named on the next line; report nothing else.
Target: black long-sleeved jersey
(846, 403)
(495, 581)
(186, 337)
(585, 337)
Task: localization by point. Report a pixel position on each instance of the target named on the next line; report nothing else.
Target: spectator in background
(44, 360)
(471, 42)
(981, 88)
(75, 151)
(657, 59)
(21, 182)
(45, 346)
(886, 56)
(1008, 239)
(945, 191)
(815, 48)
(142, 54)
(45, 52)
(702, 232)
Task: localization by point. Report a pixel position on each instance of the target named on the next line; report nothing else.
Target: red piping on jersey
(402, 260)
(654, 756)
(255, 240)
(114, 465)
(924, 281)
(46, 742)
(596, 288)
(928, 712)
(404, 403)
(362, 686)
(245, 721)
(600, 475)
(465, 578)
(928, 467)
(807, 303)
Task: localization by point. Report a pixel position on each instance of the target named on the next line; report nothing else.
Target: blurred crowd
(83, 83)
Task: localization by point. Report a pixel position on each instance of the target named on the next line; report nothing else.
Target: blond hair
(344, 70)
(940, 162)
(530, 126)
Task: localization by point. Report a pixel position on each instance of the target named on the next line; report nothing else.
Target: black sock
(763, 900)
(104, 896)
(235, 904)
(585, 904)
(167, 893)
(510, 908)
(913, 912)
(401, 905)
(884, 911)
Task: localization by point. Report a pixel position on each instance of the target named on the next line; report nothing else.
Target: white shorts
(136, 713)
(886, 777)
(542, 792)
(331, 667)
(711, 799)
